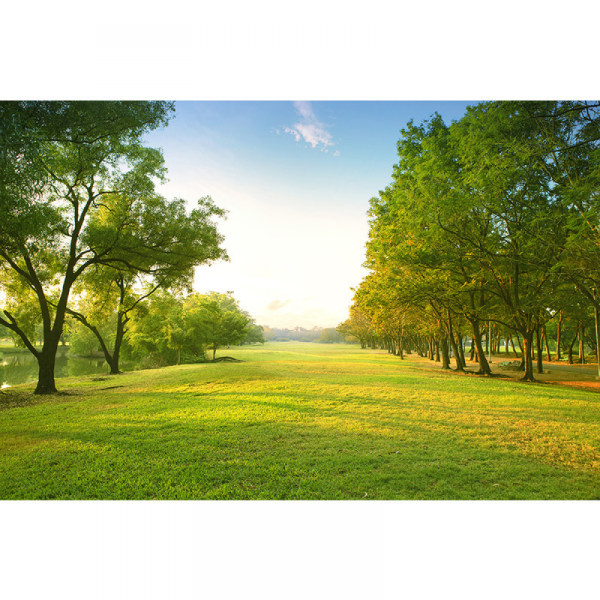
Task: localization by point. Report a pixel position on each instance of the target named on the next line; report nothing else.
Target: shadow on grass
(232, 450)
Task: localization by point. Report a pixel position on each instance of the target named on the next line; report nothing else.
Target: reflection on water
(22, 367)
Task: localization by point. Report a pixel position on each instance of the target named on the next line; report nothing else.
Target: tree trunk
(527, 355)
(459, 364)
(522, 368)
(46, 362)
(400, 346)
(484, 367)
(558, 333)
(512, 343)
(582, 345)
(120, 334)
(112, 360)
(597, 323)
(538, 341)
(437, 351)
(445, 354)
(570, 348)
(47, 357)
(545, 338)
(461, 352)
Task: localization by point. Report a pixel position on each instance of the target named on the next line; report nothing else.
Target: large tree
(60, 162)
(168, 242)
(411, 243)
(568, 142)
(160, 333)
(484, 219)
(216, 320)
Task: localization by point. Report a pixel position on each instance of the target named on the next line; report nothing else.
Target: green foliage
(216, 320)
(494, 218)
(168, 242)
(329, 335)
(21, 303)
(82, 213)
(299, 334)
(359, 325)
(61, 165)
(158, 334)
(170, 328)
(161, 238)
(255, 335)
(82, 342)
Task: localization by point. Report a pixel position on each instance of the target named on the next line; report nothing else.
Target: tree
(329, 335)
(161, 332)
(22, 304)
(482, 222)
(569, 150)
(410, 246)
(255, 335)
(169, 243)
(60, 163)
(358, 325)
(216, 320)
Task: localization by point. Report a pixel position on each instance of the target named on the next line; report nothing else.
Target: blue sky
(296, 179)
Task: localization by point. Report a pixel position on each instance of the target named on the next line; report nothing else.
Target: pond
(18, 366)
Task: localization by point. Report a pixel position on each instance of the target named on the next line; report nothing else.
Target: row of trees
(491, 223)
(83, 228)
(327, 335)
(169, 328)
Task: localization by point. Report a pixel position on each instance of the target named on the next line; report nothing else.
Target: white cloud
(293, 132)
(277, 304)
(309, 128)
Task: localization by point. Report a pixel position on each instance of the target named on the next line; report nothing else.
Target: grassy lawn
(300, 421)
(8, 346)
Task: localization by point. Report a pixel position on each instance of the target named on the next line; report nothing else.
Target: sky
(297, 208)
(295, 179)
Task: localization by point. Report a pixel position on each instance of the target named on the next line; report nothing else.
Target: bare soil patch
(577, 376)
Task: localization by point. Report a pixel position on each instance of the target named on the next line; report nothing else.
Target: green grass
(8, 346)
(300, 421)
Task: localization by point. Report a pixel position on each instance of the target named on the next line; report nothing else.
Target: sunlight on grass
(301, 421)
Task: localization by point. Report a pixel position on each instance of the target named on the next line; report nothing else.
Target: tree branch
(13, 326)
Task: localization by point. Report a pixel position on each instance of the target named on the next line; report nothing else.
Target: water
(22, 367)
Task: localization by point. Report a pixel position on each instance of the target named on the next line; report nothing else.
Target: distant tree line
(489, 230)
(327, 335)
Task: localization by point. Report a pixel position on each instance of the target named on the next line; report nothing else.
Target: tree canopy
(78, 193)
(492, 220)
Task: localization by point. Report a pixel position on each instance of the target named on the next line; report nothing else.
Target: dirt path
(576, 376)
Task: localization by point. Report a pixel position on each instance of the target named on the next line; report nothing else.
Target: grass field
(300, 421)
